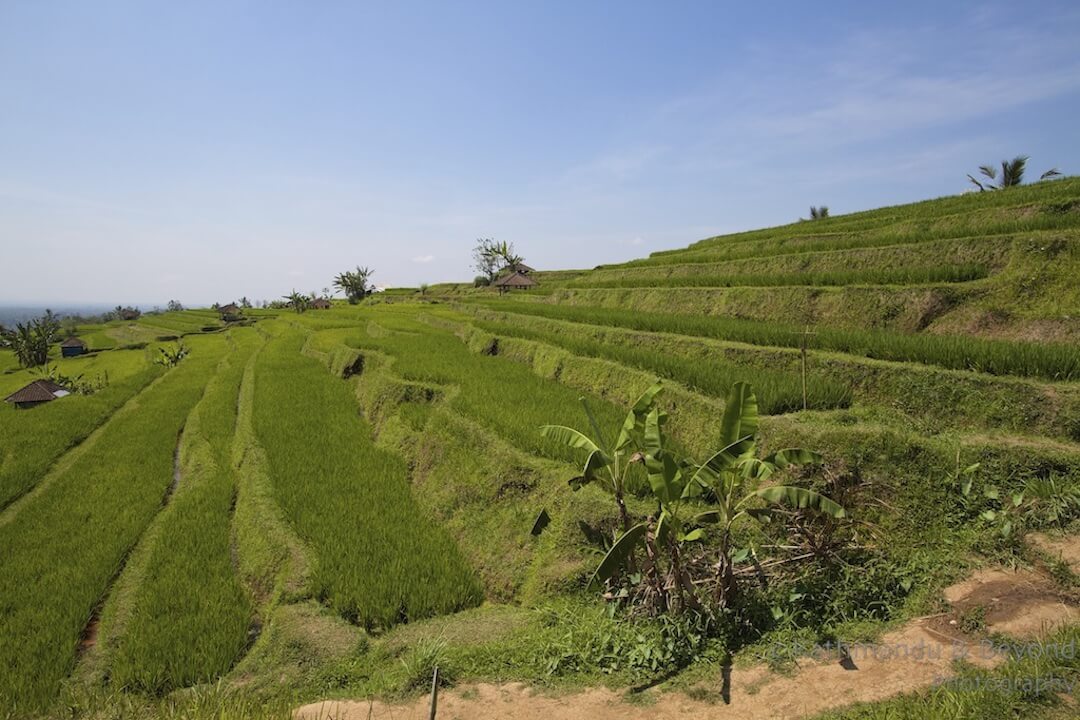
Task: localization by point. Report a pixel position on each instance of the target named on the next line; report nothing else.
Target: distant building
(514, 281)
(320, 304)
(36, 393)
(72, 347)
(518, 267)
(230, 312)
(129, 314)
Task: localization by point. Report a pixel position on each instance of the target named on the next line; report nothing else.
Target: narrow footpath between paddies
(923, 653)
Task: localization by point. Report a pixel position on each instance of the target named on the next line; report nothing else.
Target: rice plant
(64, 546)
(1051, 361)
(379, 559)
(31, 441)
(876, 276)
(503, 396)
(189, 616)
(778, 392)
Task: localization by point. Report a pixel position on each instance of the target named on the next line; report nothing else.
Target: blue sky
(203, 151)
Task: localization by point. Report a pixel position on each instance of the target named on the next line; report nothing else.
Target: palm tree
(1012, 174)
(819, 213)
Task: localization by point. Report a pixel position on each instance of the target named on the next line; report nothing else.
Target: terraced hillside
(330, 503)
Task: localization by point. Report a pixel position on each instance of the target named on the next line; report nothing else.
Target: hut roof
(321, 303)
(231, 308)
(37, 391)
(73, 342)
(519, 267)
(516, 279)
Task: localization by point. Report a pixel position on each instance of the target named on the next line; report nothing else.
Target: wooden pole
(804, 336)
(434, 693)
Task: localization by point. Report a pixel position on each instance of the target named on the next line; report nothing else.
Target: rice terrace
(829, 468)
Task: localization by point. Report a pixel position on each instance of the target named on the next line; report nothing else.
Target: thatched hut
(514, 281)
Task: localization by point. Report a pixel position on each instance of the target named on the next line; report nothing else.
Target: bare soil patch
(1019, 603)
(1065, 549)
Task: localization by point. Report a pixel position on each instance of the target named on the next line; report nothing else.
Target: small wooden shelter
(230, 312)
(514, 281)
(36, 393)
(518, 267)
(73, 347)
(320, 304)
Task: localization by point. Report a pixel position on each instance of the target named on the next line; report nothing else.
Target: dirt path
(916, 656)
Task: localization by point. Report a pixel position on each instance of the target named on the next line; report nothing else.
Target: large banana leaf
(653, 440)
(740, 414)
(568, 436)
(617, 555)
(761, 469)
(633, 425)
(665, 478)
(793, 456)
(799, 498)
(596, 461)
(708, 474)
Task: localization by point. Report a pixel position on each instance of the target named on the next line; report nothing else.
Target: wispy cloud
(875, 86)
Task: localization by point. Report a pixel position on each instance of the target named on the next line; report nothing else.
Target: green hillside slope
(994, 264)
(333, 502)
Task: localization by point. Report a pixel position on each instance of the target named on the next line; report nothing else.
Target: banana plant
(728, 481)
(608, 465)
(731, 478)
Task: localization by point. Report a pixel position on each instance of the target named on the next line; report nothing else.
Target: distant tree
(298, 301)
(491, 257)
(423, 288)
(245, 303)
(481, 281)
(1012, 174)
(354, 283)
(31, 340)
(819, 213)
(174, 306)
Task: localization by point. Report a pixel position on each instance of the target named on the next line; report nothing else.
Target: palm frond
(1012, 171)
